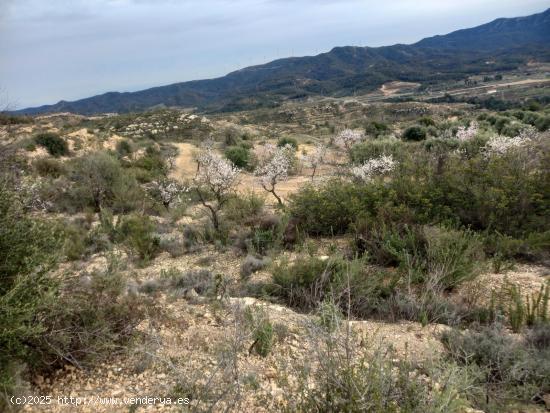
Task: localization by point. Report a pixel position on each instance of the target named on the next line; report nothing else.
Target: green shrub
(28, 249)
(244, 208)
(94, 318)
(505, 196)
(543, 123)
(333, 207)
(426, 121)
(501, 122)
(533, 105)
(364, 151)
(286, 140)
(75, 242)
(453, 256)
(95, 176)
(309, 281)
(136, 232)
(376, 129)
(339, 375)
(303, 284)
(50, 321)
(101, 182)
(529, 310)
(123, 148)
(511, 368)
(502, 194)
(262, 331)
(414, 133)
(128, 195)
(240, 156)
(152, 165)
(49, 167)
(512, 129)
(432, 131)
(441, 145)
(423, 253)
(53, 143)
(262, 240)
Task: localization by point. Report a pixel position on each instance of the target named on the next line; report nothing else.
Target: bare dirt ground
(528, 278)
(391, 88)
(184, 165)
(184, 347)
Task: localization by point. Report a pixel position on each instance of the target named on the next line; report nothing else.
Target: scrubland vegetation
(334, 214)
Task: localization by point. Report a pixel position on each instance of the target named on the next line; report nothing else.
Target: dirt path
(185, 166)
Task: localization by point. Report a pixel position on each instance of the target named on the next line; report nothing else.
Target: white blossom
(529, 133)
(168, 190)
(347, 138)
(215, 176)
(215, 172)
(465, 134)
(374, 167)
(275, 167)
(315, 158)
(500, 145)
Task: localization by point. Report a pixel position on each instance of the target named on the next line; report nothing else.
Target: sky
(70, 49)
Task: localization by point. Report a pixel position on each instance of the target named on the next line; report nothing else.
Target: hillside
(505, 43)
(388, 267)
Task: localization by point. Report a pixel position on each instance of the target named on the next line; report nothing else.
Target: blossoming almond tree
(316, 158)
(168, 190)
(500, 145)
(215, 177)
(347, 138)
(465, 134)
(374, 167)
(275, 168)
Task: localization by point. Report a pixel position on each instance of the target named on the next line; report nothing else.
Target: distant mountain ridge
(506, 43)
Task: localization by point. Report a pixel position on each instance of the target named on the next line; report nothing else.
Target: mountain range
(503, 44)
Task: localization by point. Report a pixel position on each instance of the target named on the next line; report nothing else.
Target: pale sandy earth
(529, 278)
(83, 140)
(391, 88)
(111, 143)
(185, 166)
(186, 345)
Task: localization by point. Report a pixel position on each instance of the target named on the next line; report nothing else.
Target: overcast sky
(70, 49)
